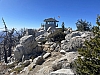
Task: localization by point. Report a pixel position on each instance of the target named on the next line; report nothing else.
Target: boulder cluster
(27, 47)
(50, 58)
(74, 40)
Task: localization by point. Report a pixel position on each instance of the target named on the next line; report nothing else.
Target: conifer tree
(88, 63)
(63, 28)
(83, 25)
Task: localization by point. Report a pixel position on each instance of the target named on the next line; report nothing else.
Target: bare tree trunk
(5, 52)
(10, 46)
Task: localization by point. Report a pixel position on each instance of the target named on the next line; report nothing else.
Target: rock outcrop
(56, 58)
(27, 46)
(39, 60)
(75, 40)
(40, 38)
(46, 55)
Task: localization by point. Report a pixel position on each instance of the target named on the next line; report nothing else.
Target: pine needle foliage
(83, 25)
(88, 63)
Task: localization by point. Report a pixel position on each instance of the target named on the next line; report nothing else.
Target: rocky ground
(46, 67)
(47, 59)
(56, 61)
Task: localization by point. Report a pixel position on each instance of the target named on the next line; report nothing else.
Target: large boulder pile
(47, 45)
(28, 43)
(40, 31)
(41, 35)
(53, 46)
(27, 46)
(56, 58)
(75, 40)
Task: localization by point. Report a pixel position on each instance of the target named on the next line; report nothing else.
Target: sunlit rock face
(75, 40)
(62, 72)
(40, 38)
(27, 46)
(57, 57)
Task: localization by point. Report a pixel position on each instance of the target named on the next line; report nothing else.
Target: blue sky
(31, 13)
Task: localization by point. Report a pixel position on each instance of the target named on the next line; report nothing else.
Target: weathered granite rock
(46, 55)
(26, 46)
(53, 46)
(27, 69)
(60, 63)
(49, 43)
(69, 30)
(40, 38)
(47, 46)
(57, 65)
(73, 34)
(71, 56)
(19, 51)
(38, 49)
(39, 32)
(39, 60)
(65, 46)
(63, 41)
(57, 48)
(75, 40)
(62, 51)
(62, 72)
(44, 71)
(13, 73)
(28, 41)
(52, 49)
(74, 44)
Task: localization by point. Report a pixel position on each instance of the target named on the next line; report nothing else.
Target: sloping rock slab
(62, 72)
(39, 60)
(46, 55)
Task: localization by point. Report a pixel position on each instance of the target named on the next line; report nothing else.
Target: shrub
(58, 35)
(12, 65)
(18, 69)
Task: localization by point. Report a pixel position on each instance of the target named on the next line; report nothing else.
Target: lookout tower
(50, 22)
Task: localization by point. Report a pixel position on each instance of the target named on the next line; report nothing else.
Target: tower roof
(50, 20)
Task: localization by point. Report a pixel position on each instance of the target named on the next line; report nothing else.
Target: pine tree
(88, 63)
(63, 28)
(83, 25)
